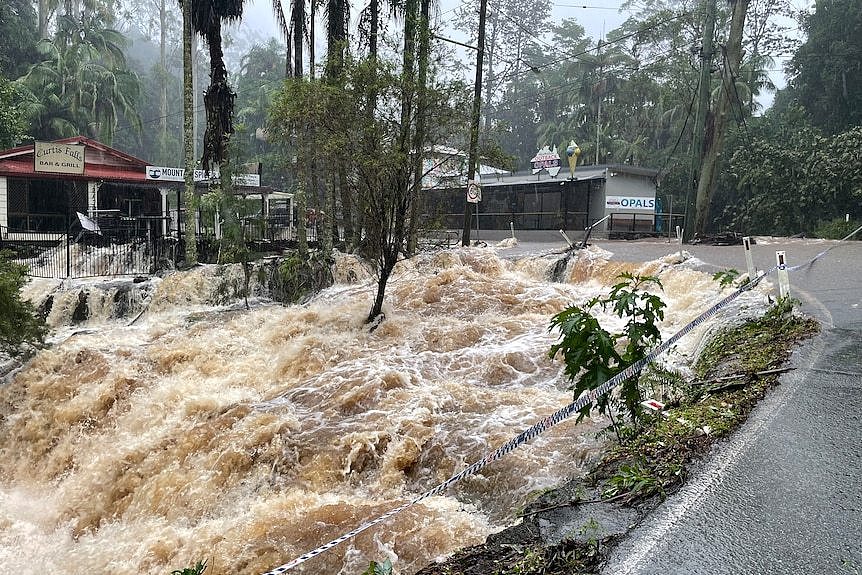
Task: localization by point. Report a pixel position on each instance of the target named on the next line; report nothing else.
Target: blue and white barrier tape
(824, 252)
(549, 421)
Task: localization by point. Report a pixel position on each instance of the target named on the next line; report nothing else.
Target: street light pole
(472, 156)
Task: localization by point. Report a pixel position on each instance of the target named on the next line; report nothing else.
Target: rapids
(247, 437)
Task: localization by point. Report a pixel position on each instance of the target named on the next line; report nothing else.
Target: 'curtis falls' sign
(58, 158)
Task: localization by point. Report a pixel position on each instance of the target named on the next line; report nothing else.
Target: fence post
(783, 278)
(746, 243)
(669, 218)
(68, 248)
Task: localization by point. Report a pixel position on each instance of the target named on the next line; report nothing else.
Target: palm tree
(82, 81)
(207, 19)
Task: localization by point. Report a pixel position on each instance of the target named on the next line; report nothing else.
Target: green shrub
(375, 568)
(20, 325)
(593, 355)
(837, 229)
(198, 569)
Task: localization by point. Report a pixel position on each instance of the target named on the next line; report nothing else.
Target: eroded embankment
(573, 528)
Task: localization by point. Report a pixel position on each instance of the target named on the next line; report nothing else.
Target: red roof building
(44, 185)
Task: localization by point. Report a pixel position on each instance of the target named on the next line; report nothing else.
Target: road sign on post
(474, 192)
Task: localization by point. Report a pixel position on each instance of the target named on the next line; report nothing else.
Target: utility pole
(732, 58)
(601, 92)
(699, 127)
(472, 155)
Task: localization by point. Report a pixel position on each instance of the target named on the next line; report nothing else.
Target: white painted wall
(628, 186)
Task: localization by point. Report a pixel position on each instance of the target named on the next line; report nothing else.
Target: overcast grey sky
(600, 15)
(596, 16)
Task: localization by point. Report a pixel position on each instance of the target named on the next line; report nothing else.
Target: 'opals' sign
(58, 158)
(630, 203)
(546, 159)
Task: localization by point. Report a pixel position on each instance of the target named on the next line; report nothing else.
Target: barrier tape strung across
(549, 421)
(824, 252)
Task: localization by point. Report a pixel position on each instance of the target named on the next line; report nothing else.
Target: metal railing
(88, 254)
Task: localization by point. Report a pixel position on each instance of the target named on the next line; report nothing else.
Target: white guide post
(783, 278)
(746, 243)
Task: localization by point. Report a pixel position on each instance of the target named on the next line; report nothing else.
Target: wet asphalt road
(784, 494)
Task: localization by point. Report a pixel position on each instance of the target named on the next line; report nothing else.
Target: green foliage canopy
(826, 71)
(19, 324)
(13, 120)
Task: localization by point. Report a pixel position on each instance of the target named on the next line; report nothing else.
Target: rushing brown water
(249, 437)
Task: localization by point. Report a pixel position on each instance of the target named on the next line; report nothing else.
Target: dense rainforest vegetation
(387, 85)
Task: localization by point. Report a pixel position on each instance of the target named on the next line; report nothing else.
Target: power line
(577, 55)
(586, 7)
(559, 89)
(682, 130)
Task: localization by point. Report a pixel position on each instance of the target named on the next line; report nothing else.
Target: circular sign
(474, 193)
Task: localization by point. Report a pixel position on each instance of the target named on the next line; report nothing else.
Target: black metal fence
(89, 254)
(629, 224)
(133, 246)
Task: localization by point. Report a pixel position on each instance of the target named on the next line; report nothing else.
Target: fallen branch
(573, 502)
(744, 374)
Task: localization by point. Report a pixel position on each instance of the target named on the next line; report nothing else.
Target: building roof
(582, 173)
(101, 162)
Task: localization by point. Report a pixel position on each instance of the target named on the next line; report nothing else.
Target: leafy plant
(725, 277)
(593, 355)
(837, 229)
(375, 568)
(198, 569)
(633, 480)
(20, 325)
(782, 308)
(531, 562)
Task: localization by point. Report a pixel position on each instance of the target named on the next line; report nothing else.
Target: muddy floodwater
(248, 437)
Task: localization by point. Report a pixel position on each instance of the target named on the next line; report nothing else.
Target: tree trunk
(473, 153)
(311, 39)
(377, 306)
(329, 223)
(698, 133)
(374, 27)
(301, 215)
(218, 102)
(407, 73)
(43, 19)
(489, 80)
(298, 17)
(729, 72)
(347, 220)
(163, 88)
(191, 254)
(419, 135)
